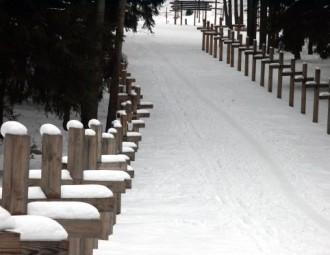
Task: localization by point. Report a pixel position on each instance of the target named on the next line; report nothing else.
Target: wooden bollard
(279, 75)
(97, 127)
(316, 95)
(265, 61)
(328, 119)
(211, 34)
(230, 41)
(16, 168)
(292, 87)
(247, 53)
(303, 89)
(240, 51)
(108, 144)
(235, 45)
(254, 62)
(221, 44)
(51, 165)
(90, 149)
(76, 150)
(207, 37)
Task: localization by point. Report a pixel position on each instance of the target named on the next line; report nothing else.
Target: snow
(94, 122)
(107, 135)
(112, 131)
(127, 149)
(36, 174)
(38, 228)
(63, 210)
(116, 124)
(90, 132)
(13, 128)
(65, 159)
(6, 221)
(129, 144)
(121, 112)
(114, 158)
(138, 121)
(105, 175)
(74, 124)
(34, 192)
(133, 134)
(130, 168)
(224, 166)
(85, 191)
(49, 129)
(142, 111)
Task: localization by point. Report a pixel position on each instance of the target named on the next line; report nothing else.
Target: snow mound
(122, 112)
(63, 210)
(130, 145)
(64, 159)
(130, 168)
(36, 174)
(49, 129)
(34, 192)
(74, 124)
(90, 132)
(116, 124)
(138, 121)
(94, 122)
(127, 149)
(133, 134)
(107, 135)
(114, 158)
(112, 131)
(13, 128)
(38, 228)
(85, 191)
(105, 175)
(6, 220)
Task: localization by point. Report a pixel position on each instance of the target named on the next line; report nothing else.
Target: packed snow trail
(224, 166)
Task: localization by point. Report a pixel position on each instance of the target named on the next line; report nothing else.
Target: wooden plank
(90, 152)
(76, 153)
(44, 248)
(81, 228)
(10, 243)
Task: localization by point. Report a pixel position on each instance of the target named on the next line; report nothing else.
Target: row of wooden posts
(214, 39)
(78, 196)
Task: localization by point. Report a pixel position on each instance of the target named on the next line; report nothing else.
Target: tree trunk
(66, 116)
(230, 13)
(237, 21)
(252, 20)
(114, 84)
(310, 47)
(241, 6)
(2, 98)
(263, 22)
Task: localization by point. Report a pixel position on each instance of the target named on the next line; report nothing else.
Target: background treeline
(61, 54)
(291, 22)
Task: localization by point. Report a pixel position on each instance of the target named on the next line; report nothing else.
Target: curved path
(224, 166)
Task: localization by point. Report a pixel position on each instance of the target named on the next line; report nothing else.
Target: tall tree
(252, 19)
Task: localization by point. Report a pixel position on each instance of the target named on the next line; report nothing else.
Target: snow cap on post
(49, 129)
(94, 122)
(74, 124)
(90, 132)
(117, 124)
(107, 135)
(13, 128)
(112, 131)
(6, 220)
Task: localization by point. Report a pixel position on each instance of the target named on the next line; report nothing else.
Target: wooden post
(270, 78)
(303, 89)
(254, 63)
(15, 173)
(98, 131)
(108, 144)
(51, 165)
(280, 77)
(76, 154)
(221, 45)
(239, 59)
(215, 12)
(292, 75)
(263, 66)
(316, 95)
(181, 13)
(90, 150)
(211, 41)
(175, 7)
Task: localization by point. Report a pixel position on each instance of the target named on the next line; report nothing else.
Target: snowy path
(224, 166)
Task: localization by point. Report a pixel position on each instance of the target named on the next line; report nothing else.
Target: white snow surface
(225, 167)
(112, 131)
(113, 158)
(127, 149)
(107, 135)
(105, 175)
(130, 145)
(36, 174)
(134, 134)
(49, 129)
(14, 128)
(6, 220)
(94, 122)
(65, 159)
(38, 228)
(34, 192)
(85, 191)
(63, 210)
(90, 132)
(74, 124)
(116, 124)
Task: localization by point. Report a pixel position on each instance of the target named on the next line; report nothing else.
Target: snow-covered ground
(224, 166)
